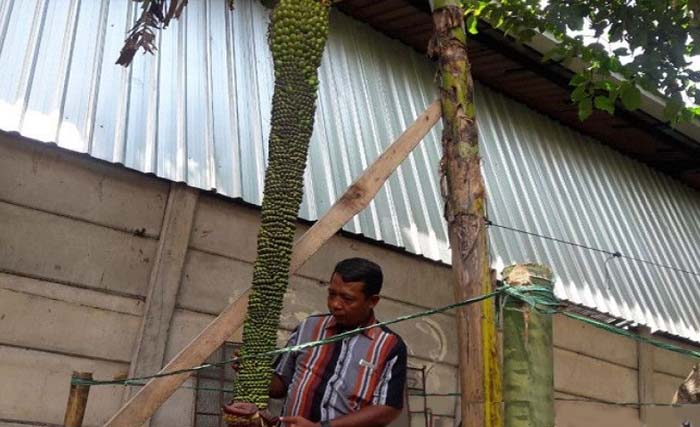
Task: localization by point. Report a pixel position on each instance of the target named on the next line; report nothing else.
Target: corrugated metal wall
(199, 112)
(545, 178)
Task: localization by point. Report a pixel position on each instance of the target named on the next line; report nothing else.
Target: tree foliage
(652, 45)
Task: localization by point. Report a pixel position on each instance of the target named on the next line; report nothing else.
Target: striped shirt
(332, 380)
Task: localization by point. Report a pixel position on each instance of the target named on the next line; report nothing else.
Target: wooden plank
(645, 375)
(362, 191)
(228, 230)
(164, 282)
(144, 403)
(149, 398)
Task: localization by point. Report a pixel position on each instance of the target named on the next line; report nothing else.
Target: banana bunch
(297, 36)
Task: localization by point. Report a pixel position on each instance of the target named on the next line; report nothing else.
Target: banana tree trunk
(463, 190)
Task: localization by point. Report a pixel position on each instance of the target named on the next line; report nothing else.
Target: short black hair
(361, 270)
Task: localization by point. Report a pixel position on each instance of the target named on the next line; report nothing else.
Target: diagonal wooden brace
(150, 397)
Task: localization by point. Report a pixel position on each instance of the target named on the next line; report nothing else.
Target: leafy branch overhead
(628, 46)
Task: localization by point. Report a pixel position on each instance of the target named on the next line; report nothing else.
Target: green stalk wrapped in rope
(528, 358)
(297, 35)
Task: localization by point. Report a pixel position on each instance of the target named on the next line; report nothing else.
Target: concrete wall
(79, 239)
(77, 243)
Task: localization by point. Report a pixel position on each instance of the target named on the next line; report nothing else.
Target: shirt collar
(369, 333)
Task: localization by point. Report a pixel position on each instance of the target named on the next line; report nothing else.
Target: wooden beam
(77, 400)
(149, 398)
(645, 375)
(164, 282)
(363, 190)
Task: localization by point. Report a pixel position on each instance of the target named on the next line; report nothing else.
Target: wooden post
(77, 400)
(363, 190)
(528, 354)
(150, 397)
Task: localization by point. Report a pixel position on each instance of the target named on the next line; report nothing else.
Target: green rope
(539, 298)
(435, 394)
(632, 335)
(559, 399)
(79, 381)
(310, 344)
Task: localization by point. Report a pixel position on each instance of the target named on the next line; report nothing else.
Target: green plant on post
(528, 355)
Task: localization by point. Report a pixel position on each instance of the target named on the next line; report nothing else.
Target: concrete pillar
(164, 282)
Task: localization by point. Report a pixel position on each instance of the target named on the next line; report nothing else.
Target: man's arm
(369, 416)
(283, 368)
(278, 388)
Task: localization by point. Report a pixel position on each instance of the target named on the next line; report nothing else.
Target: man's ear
(373, 300)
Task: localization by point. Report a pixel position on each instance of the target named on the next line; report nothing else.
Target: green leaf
(672, 109)
(614, 64)
(630, 95)
(585, 109)
(579, 93)
(578, 80)
(614, 93)
(604, 84)
(472, 22)
(686, 115)
(604, 103)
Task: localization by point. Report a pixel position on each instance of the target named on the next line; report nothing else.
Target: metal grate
(416, 386)
(214, 387)
(599, 316)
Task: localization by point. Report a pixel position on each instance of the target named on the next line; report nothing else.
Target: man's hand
(236, 362)
(297, 422)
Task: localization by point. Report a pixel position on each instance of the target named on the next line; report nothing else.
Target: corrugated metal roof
(199, 112)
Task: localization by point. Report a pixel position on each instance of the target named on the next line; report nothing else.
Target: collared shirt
(328, 381)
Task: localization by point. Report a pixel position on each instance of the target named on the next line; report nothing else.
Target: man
(356, 382)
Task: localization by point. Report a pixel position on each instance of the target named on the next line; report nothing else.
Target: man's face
(347, 302)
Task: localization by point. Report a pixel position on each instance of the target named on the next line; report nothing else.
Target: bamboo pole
(147, 400)
(77, 400)
(528, 355)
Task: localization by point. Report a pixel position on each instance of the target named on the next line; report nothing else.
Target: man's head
(354, 291)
